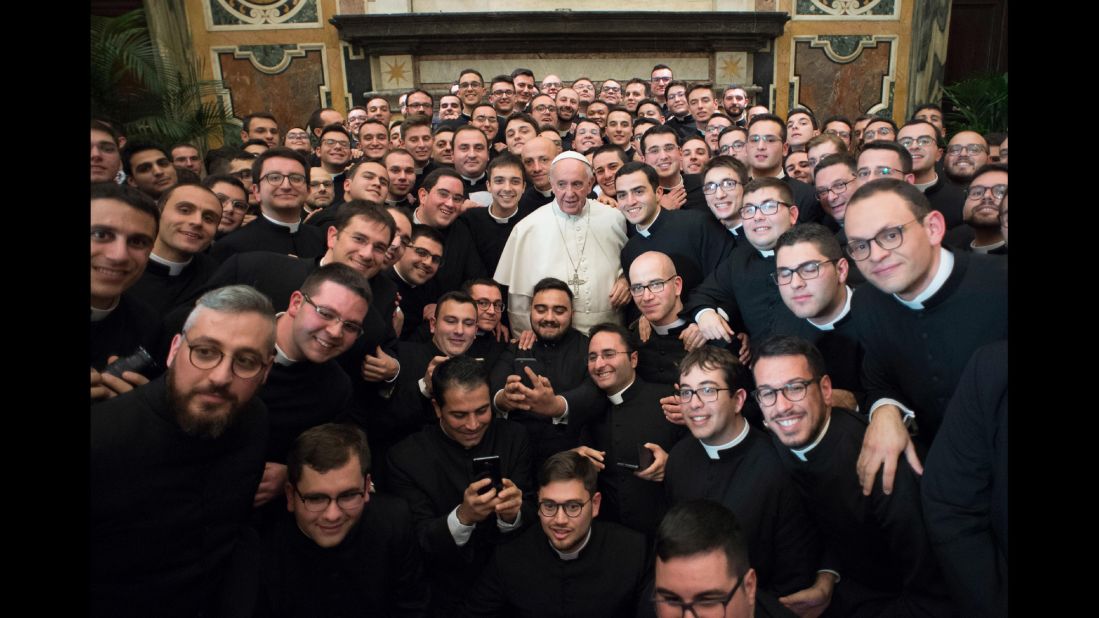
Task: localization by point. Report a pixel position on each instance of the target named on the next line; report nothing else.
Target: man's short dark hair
(986, 168)
(335, 127)
(210, 181)
(700, 86)
(504, 159)
(409, 94)
(701, 526)
(569, 466)
(327, 447)
(373, 120)
(770, 118)
(807, 112)
(371, 211)
(551, 283)
(677, 82)
(711, 358)
(661, 130)
(659, 67)
(413, 121)
(217, 159)
(128, 195)
(640, 120)
(645, 83)
(467, 286)
(278, 152)
(835, 140)
(902, 152)
(166, 195)
(340, 274)
(507, 79)
(521, 71)
(246, 122)
(844, 119)
(458, 372)
(639, 166)
(185, 176)
(432, 178)
(788, 345)
(254, 142)
(521, 117)
(628, 338)
(814, 233)
(648, 101)
(839, 158)
(474, 71)
(132, 148)
(914, 198)
(615, 148)
(767, 182)
(924, 106)
(99, 125)
(886, 120)
(938, 136)
(453, 296)
(420, 230)
(730, 162)
(315, 119)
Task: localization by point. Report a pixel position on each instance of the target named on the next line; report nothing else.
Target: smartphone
(488, 467)
(526, 361)
(136, 362)
(645, 457)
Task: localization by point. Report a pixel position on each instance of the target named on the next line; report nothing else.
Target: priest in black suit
(588, 567)
(660, 147)
(462, 512)
(877, 543)
(766, 148)
(278, 228)
(441, 197)
(491, 226)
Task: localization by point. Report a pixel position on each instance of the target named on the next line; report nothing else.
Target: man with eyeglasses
(610, 92)
(414, 276)
(174, 465)
(966, 153)
(334, 152)
(733, 142)
(662, 149)
(419, 102)
(460, 517)
(879, 129)
(812, 276)
(741, 286)
(835, 181)
(678, 115)
(876, 541)
(280, 184)
(921, 139)
(297, 139)
(659, 78)
(727, 460)
(629, 441)
(588, 567)
(981, 232)
(925, 313)
(840, 127)
(492, 336)
(543, 108)
(717, 123)
(233, 196)
(471, 89)
(501, 94)
(690, 238)
(724, 178)
(441, 197)
(883, 159)
(178, 266)
(345, 549)
(766, 148)
(702, 567)
(306, 386)
(735, 101)
(552, 84)
(321, 191)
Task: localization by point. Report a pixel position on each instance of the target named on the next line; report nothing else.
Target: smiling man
(750, 481)
(661, 148)
(491, 226)
(174, 465)
(441, 197)
(981, 232)
(148, 168)
(922, 140)
(414, 276)
(459, 517)
(359, 551)
(600, 564)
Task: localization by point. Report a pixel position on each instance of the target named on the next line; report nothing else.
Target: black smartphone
(645, 457)
(136, 362)
(488, 467)
(526, 361)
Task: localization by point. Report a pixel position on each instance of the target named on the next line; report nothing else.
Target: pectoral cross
(576, 282)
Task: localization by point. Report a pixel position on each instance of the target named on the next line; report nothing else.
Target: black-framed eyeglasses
(342, 143)
(548, 508)
(606, 355)
(922, 141)
(883, 131)
(877, 170)
(973, 149)
(424, 254)
(238, 205)
(805, 270)
(699, 608)
(484, 303)
(207, 357)
(655, 287)
(318, 503)
(888, 239)
(726, 184)
(976, 192)
(329, 315)
(708, 394)
(770, 139)
(768, 207)
(733, 147)
(245, 175)
(276, 178)
(327, 184)
(792, 391)
(840, 134)
(837, 188)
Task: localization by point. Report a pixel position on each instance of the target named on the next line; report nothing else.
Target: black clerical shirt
(264, 235)
(163, 291)
(695, 245)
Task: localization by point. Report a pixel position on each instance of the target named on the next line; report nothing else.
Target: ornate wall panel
(845, 75)
(261, 14)
(287, 80)
(930, 26)
(846, 9)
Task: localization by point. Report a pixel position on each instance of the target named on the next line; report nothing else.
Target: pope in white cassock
(574, 239)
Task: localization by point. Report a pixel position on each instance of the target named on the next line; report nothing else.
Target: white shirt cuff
(458, 530)
(564, 418)
(423, 388)
(501, 413)
(390, 380)
(719, 311)
(905, 412)
(832, 572)
(506, 527)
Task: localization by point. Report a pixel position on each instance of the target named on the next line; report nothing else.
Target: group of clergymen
(758, 366)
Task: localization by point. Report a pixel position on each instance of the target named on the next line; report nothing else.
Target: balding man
(583, 252)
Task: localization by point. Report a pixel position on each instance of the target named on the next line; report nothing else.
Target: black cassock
(262, 235)
(164, 292)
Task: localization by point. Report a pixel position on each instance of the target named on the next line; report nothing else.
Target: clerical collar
(293, 226)
(616, 398)
(831, 324)
(546, 193)
(644, 231)
(766, 252)
(987, 248)
(398, 273)
(474, 181)
(713, 451)
(674, 187)
(946, 266)
(280, 357)
(500, 219)
(923, 187)
(101, 314)
(663, 330)
(416, 218)
(572, 555)
(800, 453)
(174, 268)
(735, 230)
